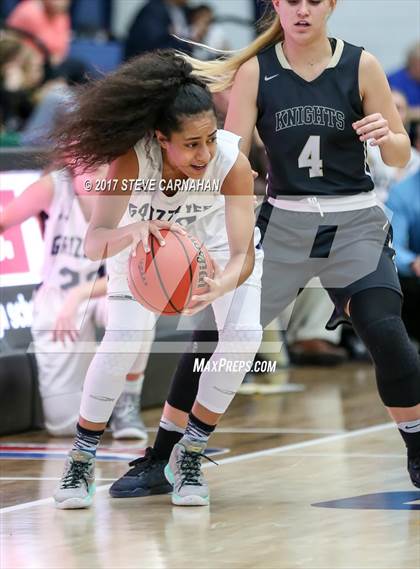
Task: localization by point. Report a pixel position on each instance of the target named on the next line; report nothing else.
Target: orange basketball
(165, 279)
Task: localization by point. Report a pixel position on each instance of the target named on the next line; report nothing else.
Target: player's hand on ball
(142, 229)
(374, 128)
(215, 289)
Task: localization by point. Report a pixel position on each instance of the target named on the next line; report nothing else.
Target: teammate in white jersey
(70, 304)
(152, 120)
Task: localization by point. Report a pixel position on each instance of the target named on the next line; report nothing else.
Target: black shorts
(348, 251)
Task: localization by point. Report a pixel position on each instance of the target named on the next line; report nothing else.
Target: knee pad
(396, 361)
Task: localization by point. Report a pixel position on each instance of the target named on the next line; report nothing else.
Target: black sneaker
(145, 478)
(413, 467)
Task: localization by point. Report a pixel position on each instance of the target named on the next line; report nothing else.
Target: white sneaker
(77, 485)
(125, 421)
(183, 471)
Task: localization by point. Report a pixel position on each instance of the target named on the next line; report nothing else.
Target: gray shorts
(348, 251)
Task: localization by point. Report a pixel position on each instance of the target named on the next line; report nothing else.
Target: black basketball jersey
(307, 128)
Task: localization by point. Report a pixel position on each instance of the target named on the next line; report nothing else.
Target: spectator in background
(309, 342)
(202, 18)
(404, 202)
(47, 20)
(407, 80)
(21, 72)
(156, 24)
(385, 176)
(53, 99)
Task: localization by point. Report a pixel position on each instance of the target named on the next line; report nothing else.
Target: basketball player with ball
(153, 119)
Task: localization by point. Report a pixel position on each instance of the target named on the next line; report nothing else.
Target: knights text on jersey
(306, 126)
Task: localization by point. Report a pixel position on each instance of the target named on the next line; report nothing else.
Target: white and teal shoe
(126, 421)
(77, 485)
(183, 471)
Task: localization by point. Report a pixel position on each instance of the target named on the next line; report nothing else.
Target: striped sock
(87, 440)
(197, 430)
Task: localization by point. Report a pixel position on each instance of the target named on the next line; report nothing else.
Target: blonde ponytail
(220, 73)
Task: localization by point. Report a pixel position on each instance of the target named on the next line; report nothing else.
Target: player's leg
(276, 296)
(376, 317)
(126, 422)
(237, 318)
(127, 322)
(144, 478)
(374, 302)
(146, 475)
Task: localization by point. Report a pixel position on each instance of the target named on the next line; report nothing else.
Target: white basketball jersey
(198, 204)
(65, 264)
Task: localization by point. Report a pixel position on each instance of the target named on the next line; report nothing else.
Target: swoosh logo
(413, 426)
(271, 77)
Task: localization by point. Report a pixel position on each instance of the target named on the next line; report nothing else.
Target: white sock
(169, 426)
(410, 426)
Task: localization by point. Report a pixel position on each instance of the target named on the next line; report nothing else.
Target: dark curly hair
(153, 91)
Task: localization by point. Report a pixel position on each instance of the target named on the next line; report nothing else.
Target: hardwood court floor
(313, 480)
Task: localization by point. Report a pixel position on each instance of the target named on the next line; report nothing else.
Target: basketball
(165, 279)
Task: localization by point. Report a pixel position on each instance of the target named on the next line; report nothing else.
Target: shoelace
(77, 474)
(144, 463)
(190, 466)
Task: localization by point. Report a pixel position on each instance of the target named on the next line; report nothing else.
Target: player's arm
(238, 189)
(382, 123)
(242, 112)
(36, 198)
(104, 238)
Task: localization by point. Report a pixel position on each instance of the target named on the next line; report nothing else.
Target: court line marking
(238, 458)
(274, 431)
(221, 430)
(43, 478)
(297, 454)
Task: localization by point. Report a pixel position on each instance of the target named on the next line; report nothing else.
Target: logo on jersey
(271, 77)
(310, 115)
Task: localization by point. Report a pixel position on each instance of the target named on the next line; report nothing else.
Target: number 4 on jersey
(310, 157)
